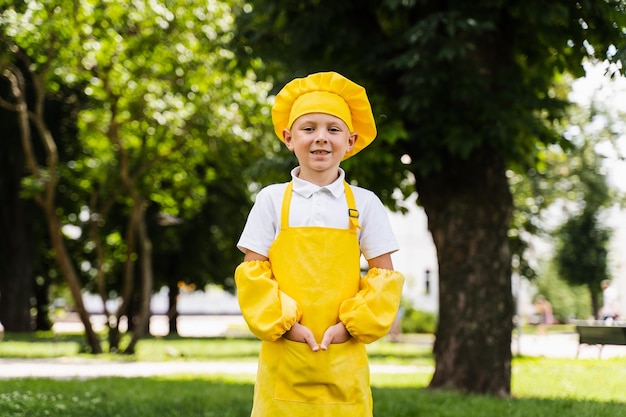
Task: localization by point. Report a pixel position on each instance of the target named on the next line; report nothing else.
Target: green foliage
(427, 63)
(159, 112)
(582, 240)
(574, 179)
(416, 321)
(582, 251)
(534, 193)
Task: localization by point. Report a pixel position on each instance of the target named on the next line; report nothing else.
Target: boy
(299, 287)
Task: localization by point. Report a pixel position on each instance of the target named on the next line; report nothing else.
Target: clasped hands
(336, 333)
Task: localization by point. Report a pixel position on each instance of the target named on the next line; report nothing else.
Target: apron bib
(319, 267)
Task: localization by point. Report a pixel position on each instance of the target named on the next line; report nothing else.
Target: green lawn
(541, 387)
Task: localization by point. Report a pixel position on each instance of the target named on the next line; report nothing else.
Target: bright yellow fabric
(360, 119)
(368, 316)
(268, 311)
(318, 377)
(320, 102)
(316, 271)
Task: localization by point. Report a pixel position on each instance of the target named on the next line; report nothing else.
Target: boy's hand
(300, 333)
(336, 333)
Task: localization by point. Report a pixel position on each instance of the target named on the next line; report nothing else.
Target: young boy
(299, 286)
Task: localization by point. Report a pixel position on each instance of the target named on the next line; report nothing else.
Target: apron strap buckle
(354, 217)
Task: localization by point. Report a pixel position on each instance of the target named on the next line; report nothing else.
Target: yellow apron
(319, 267)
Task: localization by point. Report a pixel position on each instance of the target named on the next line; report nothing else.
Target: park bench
(600, 334)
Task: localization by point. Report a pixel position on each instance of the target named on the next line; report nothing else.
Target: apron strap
(284, 213)
(353, 213)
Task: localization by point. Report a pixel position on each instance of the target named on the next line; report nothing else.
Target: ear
(287, 138)
(352, 140)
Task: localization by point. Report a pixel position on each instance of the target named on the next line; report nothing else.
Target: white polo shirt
(312, 205)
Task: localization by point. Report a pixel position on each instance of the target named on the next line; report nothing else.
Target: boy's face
(320, 141)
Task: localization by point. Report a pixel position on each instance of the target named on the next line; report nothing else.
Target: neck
(318, 178)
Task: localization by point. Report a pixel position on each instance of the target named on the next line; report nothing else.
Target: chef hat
(329, 93)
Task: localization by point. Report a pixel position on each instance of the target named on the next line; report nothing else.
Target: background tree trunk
(469, 206)
(172, 311)
(596, 300)
(17, 247)
(67, 269)
(16, 272)
(42, 319)
(146, 278)
(46, 197)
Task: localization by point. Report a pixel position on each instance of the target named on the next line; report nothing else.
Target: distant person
(610, 307)
(545, 316)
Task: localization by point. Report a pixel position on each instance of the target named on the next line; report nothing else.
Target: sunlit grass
(135, 397)
(540, 386)
(40, 345)
(231, 396)
(583, 379)
(49, 345)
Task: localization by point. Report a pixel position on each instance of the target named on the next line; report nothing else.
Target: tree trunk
(172, 311)
(17, 245)
(69, 273)
(147, 278)
(596, 301)
(47, 176)
(17, 258)
(42, 304)
(469, 207)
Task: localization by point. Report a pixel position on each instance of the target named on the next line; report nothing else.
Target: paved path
(91, 368)
(562, 345)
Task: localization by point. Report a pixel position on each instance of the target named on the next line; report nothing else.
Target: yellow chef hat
(329, 93)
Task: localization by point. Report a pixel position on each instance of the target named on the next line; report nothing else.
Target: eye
(308, 128)
(334, 129)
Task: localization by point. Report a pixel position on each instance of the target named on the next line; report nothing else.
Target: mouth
(320, 152)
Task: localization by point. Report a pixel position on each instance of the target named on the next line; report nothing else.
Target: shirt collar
(307, 189)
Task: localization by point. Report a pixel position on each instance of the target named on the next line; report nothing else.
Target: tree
(166, 115)
(462, 91)
(582, 253)
(582, 240)
(573, 180)
(45, 181)
(26, 257)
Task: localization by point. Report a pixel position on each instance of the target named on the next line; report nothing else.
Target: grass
(582, 379)
(134, 397)
(49, 345)
(228, 397)
(541, 386)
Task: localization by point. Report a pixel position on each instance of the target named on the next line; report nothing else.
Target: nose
(321, 137)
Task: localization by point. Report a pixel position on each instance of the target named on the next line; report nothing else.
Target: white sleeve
(261, 226)
(377, 237)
